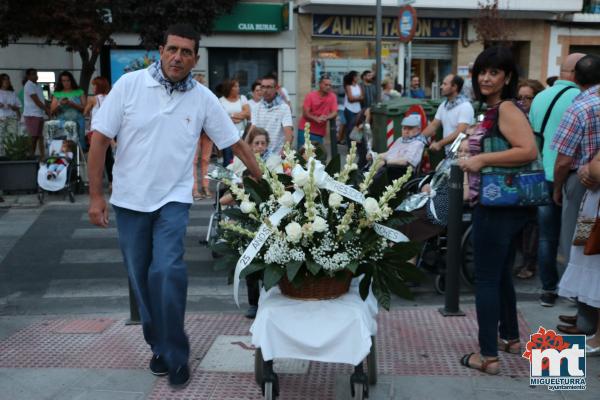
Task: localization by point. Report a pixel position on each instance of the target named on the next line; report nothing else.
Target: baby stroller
(67, 179)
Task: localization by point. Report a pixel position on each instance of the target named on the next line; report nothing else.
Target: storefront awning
(515, 9)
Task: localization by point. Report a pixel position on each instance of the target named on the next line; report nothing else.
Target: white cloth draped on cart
(337, 330)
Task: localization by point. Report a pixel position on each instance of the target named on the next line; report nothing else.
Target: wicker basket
(317, 288)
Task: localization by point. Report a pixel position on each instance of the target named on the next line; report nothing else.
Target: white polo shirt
(157, 135)
(450, 119)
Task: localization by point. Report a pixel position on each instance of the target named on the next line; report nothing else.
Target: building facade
(336, 36)
(254, 40)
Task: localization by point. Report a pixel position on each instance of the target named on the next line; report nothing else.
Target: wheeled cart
(340, 330)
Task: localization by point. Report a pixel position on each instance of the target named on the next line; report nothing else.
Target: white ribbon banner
(390, 234)
(255, 245)
(324, 181)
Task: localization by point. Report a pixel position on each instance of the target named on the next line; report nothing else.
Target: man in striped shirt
(274, 116)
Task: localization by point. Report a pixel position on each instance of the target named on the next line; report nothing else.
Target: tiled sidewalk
(410, 341)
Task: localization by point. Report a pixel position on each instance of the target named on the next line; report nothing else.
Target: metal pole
(134, 311)
(453, 254)
(378, 53)
(408, 67)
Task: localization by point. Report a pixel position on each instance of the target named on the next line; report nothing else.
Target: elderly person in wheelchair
(406, 151)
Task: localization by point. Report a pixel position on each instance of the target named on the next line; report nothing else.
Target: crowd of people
(558, 125)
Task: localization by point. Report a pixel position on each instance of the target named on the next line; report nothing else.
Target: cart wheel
(258, 367)
(269, 391)
(359, 391)
(372, 363)
(71, 197)
(440, 284)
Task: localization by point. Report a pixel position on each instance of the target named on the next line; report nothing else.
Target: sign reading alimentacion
(363, 27)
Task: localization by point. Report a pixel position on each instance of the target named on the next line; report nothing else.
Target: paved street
(64, 304)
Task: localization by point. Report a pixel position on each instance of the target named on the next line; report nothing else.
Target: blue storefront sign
(363, 27)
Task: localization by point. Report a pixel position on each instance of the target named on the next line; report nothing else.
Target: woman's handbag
(523, 186)
(585, 223)
(592, 245)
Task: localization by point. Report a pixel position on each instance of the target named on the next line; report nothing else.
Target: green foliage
(16, 147)
(225, 262)
(313, 267)
(252, 268)
(273, 273)
(86, 26)
(258, 191)
(334, 166)
(292, 269)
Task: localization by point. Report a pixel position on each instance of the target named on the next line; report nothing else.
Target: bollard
(134, 311)
(333, 137)
(454, 234)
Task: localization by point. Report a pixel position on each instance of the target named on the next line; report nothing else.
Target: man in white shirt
(34, 110)
(158, 114)
(274, 116)
(455, 114)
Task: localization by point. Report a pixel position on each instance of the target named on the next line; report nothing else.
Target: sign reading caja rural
(357, 27)
(254, 17)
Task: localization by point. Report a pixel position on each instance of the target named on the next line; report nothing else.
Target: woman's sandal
(512, 346)
(525, 273)
(486, 364)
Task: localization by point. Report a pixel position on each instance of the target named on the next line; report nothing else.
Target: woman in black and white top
(354, 95)
(237, 107)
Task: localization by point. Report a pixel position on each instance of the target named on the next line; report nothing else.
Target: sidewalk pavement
(99, 357)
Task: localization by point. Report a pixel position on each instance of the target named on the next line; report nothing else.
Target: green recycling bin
(392, 110)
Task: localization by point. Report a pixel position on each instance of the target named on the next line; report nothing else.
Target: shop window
(595, 50)
(245, 65)
(431, 61)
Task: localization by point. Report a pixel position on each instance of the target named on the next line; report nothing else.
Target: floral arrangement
(320, 221)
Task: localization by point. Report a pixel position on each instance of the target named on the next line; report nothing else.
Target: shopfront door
(245, 65)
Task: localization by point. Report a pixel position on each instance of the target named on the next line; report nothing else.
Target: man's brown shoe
(568, 319)
(569, 330)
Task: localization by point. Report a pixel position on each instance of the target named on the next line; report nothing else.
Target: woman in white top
(100, 88)
(9, 108)
(354, 95)
(238, 109)
(256, 97)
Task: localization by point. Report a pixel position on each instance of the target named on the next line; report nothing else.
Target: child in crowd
(58, 161)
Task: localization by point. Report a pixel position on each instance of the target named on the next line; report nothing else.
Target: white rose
(300, 176)
(335, 200)
(294, 232)
(247, 207)
(371, 206)
(319, 225)
(286, 200)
